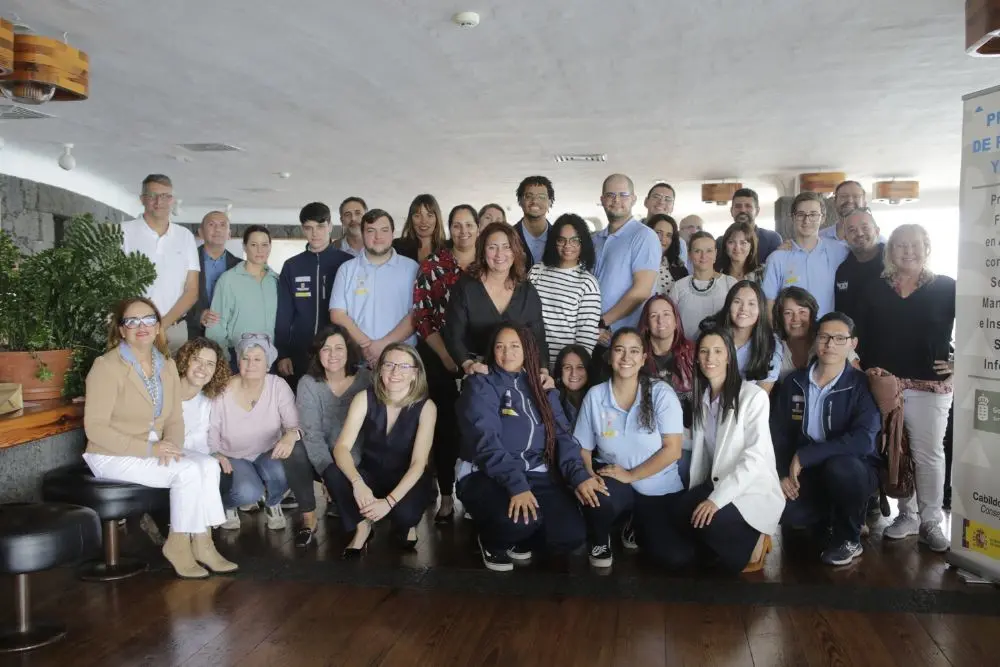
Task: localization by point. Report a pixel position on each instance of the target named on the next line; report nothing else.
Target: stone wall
(33, 212)
(25, 465)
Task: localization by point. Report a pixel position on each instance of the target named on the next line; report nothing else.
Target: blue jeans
(252, 479)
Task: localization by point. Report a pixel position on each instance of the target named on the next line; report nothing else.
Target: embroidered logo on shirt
(608, 424)
(361, 286)
(798, 408)
(302, 286)
(792, 279)
(507, 405)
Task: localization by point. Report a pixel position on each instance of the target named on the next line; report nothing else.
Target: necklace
(702, 290)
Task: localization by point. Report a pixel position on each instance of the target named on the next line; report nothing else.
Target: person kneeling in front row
(824, 427)
(519, 459)
(396, 421)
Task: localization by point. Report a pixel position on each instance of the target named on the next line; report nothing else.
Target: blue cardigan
(851, 421)
(503, 435)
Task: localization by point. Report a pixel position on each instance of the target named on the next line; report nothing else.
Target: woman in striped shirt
(571, 297)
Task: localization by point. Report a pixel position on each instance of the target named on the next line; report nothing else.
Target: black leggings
(405, 514)
(444, 392)
(300, 475)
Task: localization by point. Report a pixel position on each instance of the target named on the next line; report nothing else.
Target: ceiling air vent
(15, 112)
(259, 190)
(582, 157)
(210, 148)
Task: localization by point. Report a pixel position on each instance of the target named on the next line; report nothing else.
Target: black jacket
(193, 317)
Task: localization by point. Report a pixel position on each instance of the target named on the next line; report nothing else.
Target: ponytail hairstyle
(730, 395)
(647, 414)
(761, 338)
(533, 370)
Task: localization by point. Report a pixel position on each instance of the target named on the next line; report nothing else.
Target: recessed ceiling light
(210, 147)
(582, 157)
(466, 19)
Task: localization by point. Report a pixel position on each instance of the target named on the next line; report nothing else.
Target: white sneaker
(232, 520)
(932, 535)
(905, 525)
(275, 517)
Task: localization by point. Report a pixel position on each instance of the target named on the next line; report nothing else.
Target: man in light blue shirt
(628, 258)
(373, 293)
(661, 199)
(535, 195)
(811, 263)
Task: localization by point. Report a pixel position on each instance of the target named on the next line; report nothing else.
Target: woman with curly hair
(202, 379)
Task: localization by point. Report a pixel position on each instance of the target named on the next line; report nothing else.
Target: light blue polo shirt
(774, 370)
(376, 297)
(814, 271)
(814, 411)
(536, 244)
(684, 252)
(634, 247)
(617, 438)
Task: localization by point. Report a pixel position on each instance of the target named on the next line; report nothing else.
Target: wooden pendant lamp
(45, 69)
(823, 182)
(719, 193)
(982, 27)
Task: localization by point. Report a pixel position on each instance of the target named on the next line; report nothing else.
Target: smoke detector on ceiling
(466, 19)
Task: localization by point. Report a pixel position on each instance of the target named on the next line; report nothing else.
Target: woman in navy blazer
(519, 458)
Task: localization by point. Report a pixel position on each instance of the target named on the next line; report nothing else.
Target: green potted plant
(54, 305)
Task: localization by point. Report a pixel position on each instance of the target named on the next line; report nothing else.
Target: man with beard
(745, 208)
(660, 199)
(373, 293)
(848, 197)
(351, 210)
(535, 195)
(863, 265)
(304, 291)
(214, 260)
(628, 258)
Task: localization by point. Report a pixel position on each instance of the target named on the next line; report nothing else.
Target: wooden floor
(439, 607)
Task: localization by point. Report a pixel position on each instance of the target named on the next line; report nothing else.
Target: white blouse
(197, 414)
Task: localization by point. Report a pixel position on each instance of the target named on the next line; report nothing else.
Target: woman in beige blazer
(734, 499)
(135, 433)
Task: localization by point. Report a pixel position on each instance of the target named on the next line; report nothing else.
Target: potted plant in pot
(54, 305)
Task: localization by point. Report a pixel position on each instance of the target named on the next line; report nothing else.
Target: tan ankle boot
(206, 553)
(177, 550)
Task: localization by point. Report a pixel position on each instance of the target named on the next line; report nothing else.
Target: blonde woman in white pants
(135, 433)
(904, 326)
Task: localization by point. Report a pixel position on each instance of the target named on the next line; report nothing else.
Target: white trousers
(195, 503)
(925, 416)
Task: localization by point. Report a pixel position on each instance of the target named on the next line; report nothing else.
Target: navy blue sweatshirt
(503, 434)
(304, 301)
(851, 421)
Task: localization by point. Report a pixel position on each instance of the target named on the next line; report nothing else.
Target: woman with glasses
(905, 321)
(254, 426)
(672, 266)
(572, 379)
(395, 422)
(739, 253)
(570, 295)
(423, 231)
(630, 430)
(734, 501)
(703, 293)
(492, 291)
(324, 395)
(431, 294)
(134, 423)
(519, 458)
(246, 296)
(758, 350)
(491, 213)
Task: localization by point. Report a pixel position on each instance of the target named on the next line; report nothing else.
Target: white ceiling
(388, 99)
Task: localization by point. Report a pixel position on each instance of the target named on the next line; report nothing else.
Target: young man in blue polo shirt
(373, 293)
(823, 427)
(628, 258)
(811, 262)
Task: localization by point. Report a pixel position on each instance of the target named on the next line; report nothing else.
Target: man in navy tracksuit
(502, 452)
(304, 292)
(824, 427)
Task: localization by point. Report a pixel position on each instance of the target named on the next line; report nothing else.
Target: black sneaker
(331, 510)
(600, 554)
(842, 554)
(288, 501)
(519, 554)
(628, 537)
(498, 562)
(304, 537)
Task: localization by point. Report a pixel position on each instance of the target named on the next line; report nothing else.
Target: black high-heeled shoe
(408, 544)
(354, 553)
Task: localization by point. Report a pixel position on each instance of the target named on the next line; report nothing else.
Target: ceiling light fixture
(896, 192)
(284, 175)
(466, 19)
(6, 47)
(176, 209)
(982, 28)
(822, 182)
(719, 194)
(44, 69)
(66, 160)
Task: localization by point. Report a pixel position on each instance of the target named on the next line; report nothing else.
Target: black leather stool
(112, 501)
(36, 537)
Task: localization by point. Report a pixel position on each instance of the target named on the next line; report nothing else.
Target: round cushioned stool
(36, 537)
(112, 501)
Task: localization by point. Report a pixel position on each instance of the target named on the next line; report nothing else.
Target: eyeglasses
(163, 196)
(838, 340)
(811, 217)
(136, 322)
(392, 367)
(538, 198)
(256, 336)
(572, 241)
(661, 199)
(612, 196)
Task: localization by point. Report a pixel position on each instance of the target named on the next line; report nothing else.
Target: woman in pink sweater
(254, 426)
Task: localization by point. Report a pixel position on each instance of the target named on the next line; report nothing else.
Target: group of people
(648, 381)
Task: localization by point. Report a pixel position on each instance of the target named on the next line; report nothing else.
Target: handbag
(11, 398)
